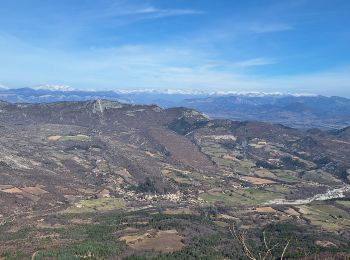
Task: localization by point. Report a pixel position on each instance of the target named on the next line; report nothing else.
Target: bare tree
(268, 251)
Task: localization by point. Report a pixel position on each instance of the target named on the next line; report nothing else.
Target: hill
(295, 111)
(298, 111)
(108, 179)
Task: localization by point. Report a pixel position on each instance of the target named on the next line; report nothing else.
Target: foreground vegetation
(100, 236)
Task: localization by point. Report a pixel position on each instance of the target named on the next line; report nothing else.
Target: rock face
(107, 149)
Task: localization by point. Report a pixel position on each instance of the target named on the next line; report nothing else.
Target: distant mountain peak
(194, 92)
(54, 87)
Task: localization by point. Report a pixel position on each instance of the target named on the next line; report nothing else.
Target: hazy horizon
(169, 92)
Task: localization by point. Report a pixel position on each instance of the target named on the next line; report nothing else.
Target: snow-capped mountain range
(291, 109)
(191, 92)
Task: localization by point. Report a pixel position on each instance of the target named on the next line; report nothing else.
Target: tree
(266, 253)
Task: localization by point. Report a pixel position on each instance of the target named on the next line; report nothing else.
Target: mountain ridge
(302, 111)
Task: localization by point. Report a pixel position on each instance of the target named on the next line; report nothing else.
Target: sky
(289, 46)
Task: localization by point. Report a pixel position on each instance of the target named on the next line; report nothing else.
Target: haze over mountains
(295, 110)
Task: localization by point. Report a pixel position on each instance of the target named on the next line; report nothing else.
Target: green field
(345, 203)
(96, 205)
(242, 197)
(327, 216)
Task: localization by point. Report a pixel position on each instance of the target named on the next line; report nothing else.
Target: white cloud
(156, 67)
(256, 62)
(165, 12)
(260, 61)
(139, 11)
(269, 28)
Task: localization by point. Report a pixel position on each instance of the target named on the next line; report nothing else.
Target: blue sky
(298, 46)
